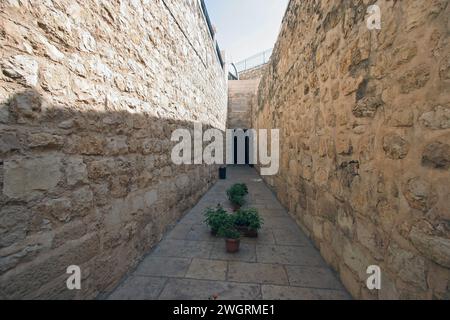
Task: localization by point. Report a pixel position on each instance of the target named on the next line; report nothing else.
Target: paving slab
(163, 266)
(290, 237)
(313, 277)
(207, 269)
(183, 249)
(189, 289)
(272, 292)
(289, 255)
(247, 252)
(139, 288)
(257, 273)
(200, 232)
(265, 236)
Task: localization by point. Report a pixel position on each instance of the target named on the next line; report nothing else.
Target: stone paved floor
(190, 264)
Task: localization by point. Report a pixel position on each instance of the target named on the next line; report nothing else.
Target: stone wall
(364, 119)
(254, 73)
(90, 92)
(241, 94)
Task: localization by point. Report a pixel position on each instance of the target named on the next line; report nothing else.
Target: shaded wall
(90, 92)
(364, 119)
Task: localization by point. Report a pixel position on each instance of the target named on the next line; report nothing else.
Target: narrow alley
(190, 263)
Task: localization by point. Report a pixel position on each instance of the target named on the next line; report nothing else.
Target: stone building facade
(364, 119)
(241, 95)
(90, 93)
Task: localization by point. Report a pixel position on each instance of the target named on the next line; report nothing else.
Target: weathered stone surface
(401, 118)
(395, 146)
(444, 68)
(117, 145)
(371, 238)
(409, 267)
(44, 140)
(18, 282)
(414, 79)
(59, 209)
(100, 169)
(356, 259)
(76, 171)
(14, 222)
(86, 145)
(434, 247)
(23, 176)
(378, 118)
(392, 104)
(82, 199)
(26, 106)
(438, 118)
(420, 194)
(436, 155)
(22, 68)
(9, 142)
(367, 107)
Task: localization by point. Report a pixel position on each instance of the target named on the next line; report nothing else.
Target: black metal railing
(211, 32)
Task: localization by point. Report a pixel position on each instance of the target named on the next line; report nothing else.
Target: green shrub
(237, 193)
(248, 218)
(242, 187)
(229, 232)
(236, 199)
(216, 218)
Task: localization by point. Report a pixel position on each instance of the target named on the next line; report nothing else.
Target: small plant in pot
(248, 221)
(232, 237)
(215, 218)
(236, 195)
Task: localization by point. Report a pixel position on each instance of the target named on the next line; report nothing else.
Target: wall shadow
(87, 188)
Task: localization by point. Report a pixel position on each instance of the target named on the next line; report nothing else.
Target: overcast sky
(246, 27)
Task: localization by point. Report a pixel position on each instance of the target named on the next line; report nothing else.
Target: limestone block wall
(364, 119)
(241, 94)
(90, 92)
(254, 73)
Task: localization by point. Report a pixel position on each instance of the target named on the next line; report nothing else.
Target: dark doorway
(247, 149)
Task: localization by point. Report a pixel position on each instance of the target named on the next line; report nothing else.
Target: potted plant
(215, 218)
(236, 195)
(248, 221)
(242, 187)
(236, 200)
(232, 237)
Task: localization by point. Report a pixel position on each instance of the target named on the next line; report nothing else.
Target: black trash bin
(223, 173)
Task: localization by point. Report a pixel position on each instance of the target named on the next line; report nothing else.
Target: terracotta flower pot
(235, 207)
(232, 245)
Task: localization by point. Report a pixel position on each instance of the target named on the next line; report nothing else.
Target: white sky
(246, 27)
